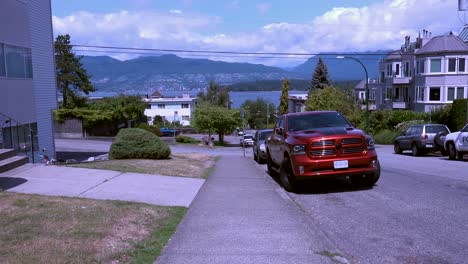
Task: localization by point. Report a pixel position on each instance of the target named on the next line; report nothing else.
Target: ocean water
(237, 98)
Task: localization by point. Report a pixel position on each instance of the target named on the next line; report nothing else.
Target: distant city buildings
(172, 109)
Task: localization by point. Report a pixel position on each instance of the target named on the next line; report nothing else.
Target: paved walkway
(101, 184)
(241, 215)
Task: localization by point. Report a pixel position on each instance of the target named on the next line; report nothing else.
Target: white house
(170, 108)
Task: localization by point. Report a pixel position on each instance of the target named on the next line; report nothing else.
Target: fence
(20, 137)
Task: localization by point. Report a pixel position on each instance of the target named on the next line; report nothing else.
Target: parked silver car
(421, 139)
(259, 148)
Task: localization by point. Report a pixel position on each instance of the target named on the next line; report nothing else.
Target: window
(397, 71)
(460, 93)
(389, 70)
(388, 94)
(452, 63)
(15, 62)
(420, 94)
(436, 65)
(434, 94)
(2, 61)
(382, 77)
(186, 118)
(451, 94)
(407, 70)
(148, 106)
(421, 66)
(185, 105)
(161, 106)
(461, 64)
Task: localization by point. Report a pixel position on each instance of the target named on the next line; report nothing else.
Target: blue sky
(304, 26)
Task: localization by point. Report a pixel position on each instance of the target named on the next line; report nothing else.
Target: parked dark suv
(320, 144)
(421, 139)
(259, 147)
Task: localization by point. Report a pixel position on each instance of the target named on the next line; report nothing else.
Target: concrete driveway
(101, 184)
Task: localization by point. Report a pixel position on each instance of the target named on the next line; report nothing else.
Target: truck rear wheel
(270, 168)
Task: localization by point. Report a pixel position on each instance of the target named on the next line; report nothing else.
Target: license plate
(340, 164)
(429, 145)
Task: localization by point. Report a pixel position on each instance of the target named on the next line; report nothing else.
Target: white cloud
(375, 27)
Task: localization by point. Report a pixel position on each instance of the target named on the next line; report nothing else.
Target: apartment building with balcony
(428, 73)
(173, 109)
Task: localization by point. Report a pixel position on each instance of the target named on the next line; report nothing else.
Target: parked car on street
(421, 139)
(247, 140)
(168, 132)
(320, 144)
(259, 148)
(456, 144)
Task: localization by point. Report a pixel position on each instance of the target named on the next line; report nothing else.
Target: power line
(210, 55)
(232, 52)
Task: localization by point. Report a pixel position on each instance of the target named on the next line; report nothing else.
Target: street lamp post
(367, 88)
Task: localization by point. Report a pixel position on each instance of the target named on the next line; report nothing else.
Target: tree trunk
(221, 138)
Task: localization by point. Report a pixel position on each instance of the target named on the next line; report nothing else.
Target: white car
(457, 143)
(247, 140)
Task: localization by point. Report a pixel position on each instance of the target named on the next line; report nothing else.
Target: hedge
(136, 143)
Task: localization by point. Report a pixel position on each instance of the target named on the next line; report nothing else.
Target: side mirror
(279, 130)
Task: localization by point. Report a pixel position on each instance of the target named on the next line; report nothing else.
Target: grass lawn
(43, 229)
(192, 165)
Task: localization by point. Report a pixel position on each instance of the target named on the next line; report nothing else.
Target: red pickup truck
(320, 144)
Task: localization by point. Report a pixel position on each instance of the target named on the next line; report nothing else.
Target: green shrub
(386, 136)
(136, 143)
(389, 119)
(403, 126)
(457, 114)
(186, 139)
(153, 129)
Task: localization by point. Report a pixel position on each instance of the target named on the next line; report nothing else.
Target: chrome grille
(352, 150)
(323, 143)
(323, 152)
(349, 141)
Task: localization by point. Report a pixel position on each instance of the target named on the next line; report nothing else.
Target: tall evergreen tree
(215, 95)
(320, 77)
(284, 103)
(72, 78)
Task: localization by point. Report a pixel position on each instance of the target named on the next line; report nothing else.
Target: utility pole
(268, 113)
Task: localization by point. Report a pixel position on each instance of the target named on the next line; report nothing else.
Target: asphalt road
(417, 212)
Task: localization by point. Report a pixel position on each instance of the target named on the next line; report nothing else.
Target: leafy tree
(72, 78)
(331, 98)
(320, 77)
(256, 112)
(215, 95)
(284, 103)
(123, 107)
(215, 119)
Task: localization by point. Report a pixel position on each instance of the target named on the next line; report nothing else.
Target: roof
(156, 94)
(394, 55)
(444, 44)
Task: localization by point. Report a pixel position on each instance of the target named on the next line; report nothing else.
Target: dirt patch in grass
(43, 229)
(191, 165)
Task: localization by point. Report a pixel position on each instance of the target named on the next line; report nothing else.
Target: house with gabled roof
(426, 74)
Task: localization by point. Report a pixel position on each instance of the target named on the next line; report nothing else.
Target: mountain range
(170, 72)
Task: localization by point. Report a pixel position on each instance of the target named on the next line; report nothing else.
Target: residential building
(296, 103)
(28, 93)
(428, 73)
(170, 108)
(376, 98)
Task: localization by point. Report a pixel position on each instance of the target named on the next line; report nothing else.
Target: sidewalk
(242, 216)
(101, 184)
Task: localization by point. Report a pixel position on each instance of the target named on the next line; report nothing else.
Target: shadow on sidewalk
(7, 183)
